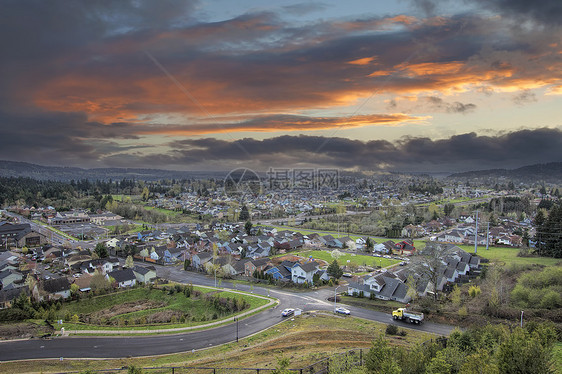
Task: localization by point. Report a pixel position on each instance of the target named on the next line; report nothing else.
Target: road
(134, 346)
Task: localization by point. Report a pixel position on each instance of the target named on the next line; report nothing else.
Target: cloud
(547, 12)
(258, 62)
(457, 153)
(524, 97)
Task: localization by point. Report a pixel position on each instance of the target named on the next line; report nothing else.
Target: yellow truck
(405, 315)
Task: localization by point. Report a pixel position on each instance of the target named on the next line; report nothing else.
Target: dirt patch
(23, 330)
(130, 307)
(164, 316)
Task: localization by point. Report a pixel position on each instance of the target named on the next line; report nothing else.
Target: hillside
(24, 169)
(547, 173)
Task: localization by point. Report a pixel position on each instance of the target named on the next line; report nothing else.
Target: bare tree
(429, 263)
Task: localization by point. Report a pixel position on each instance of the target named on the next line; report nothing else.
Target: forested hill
(549, 173)
(24, 169)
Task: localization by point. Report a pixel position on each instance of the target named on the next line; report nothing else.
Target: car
(347, 275)
(342, 310)
(287, 312)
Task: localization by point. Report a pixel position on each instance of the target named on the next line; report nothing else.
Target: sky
(414, 86)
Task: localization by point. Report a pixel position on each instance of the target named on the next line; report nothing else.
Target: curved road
(129, 346)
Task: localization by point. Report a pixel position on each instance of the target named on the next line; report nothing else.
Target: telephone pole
(476, 234)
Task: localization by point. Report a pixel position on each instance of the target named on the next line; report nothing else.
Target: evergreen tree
(334, 270)
(244, 214)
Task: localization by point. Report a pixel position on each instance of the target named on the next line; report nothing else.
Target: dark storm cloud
(543, 11)
(459, 152)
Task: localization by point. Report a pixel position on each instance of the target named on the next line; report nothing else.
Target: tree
(129, 263)
(145, 194)
(525, 352)
(244, 214)
(248, 227)
(380, 359)
(448, 209)
(334, 270)
(369, 245)
(101, 250)
(186, 264)
(99, 282)
(429, 263)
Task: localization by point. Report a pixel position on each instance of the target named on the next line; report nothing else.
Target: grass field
(356, 259)
(506, 256)
(303, 340)
(113, 311)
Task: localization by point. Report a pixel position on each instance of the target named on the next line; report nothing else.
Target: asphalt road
(133, 346)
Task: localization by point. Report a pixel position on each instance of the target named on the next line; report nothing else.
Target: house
(404, 248)
(7, 296)
(347, 242)
(198, 260)
(84, 282)
(279, 273)
(10, 277)
(123, 278)
(55, 288)
(454, 236)
(301, 273)
(240, 266)
(144, 274)
(259, 264)
(381, 286)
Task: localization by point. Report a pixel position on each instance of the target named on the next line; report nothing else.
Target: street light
(521, 318)
(336, 297)
(236, 320)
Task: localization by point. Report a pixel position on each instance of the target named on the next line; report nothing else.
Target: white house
(301, 273)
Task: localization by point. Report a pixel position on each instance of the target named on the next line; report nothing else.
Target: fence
(340, 363)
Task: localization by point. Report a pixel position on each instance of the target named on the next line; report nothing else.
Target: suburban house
(301, 273)
(10, 277)
(198, 260)
(381, 286)
(123, 278)
(144, 274)
(55, 288)
(7, 296)
(404, 248)
(259, 264)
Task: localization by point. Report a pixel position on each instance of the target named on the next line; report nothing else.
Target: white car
(287, 312)
(342, 310)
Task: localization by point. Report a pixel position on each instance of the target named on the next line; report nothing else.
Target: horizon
(439, 86)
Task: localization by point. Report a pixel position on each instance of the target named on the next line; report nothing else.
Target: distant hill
(24, 169)
(548, 173)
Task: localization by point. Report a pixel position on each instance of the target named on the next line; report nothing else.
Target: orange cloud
(362, 61)
(282, 123)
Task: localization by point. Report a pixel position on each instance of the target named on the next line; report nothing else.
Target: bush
(391, 330)
(474, 291)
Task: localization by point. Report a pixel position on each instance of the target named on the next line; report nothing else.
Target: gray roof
(309, 266)
(122, 275)
(141, 270)
(56, 285)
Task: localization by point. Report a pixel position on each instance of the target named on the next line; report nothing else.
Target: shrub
(474, 291)
(391, 330)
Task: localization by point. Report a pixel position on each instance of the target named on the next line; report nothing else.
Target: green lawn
(507, 256)
(173, 213)
(356, 259)
(195, 309)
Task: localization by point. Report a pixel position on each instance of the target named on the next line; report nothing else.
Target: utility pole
(476, 234)
(488, 236)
